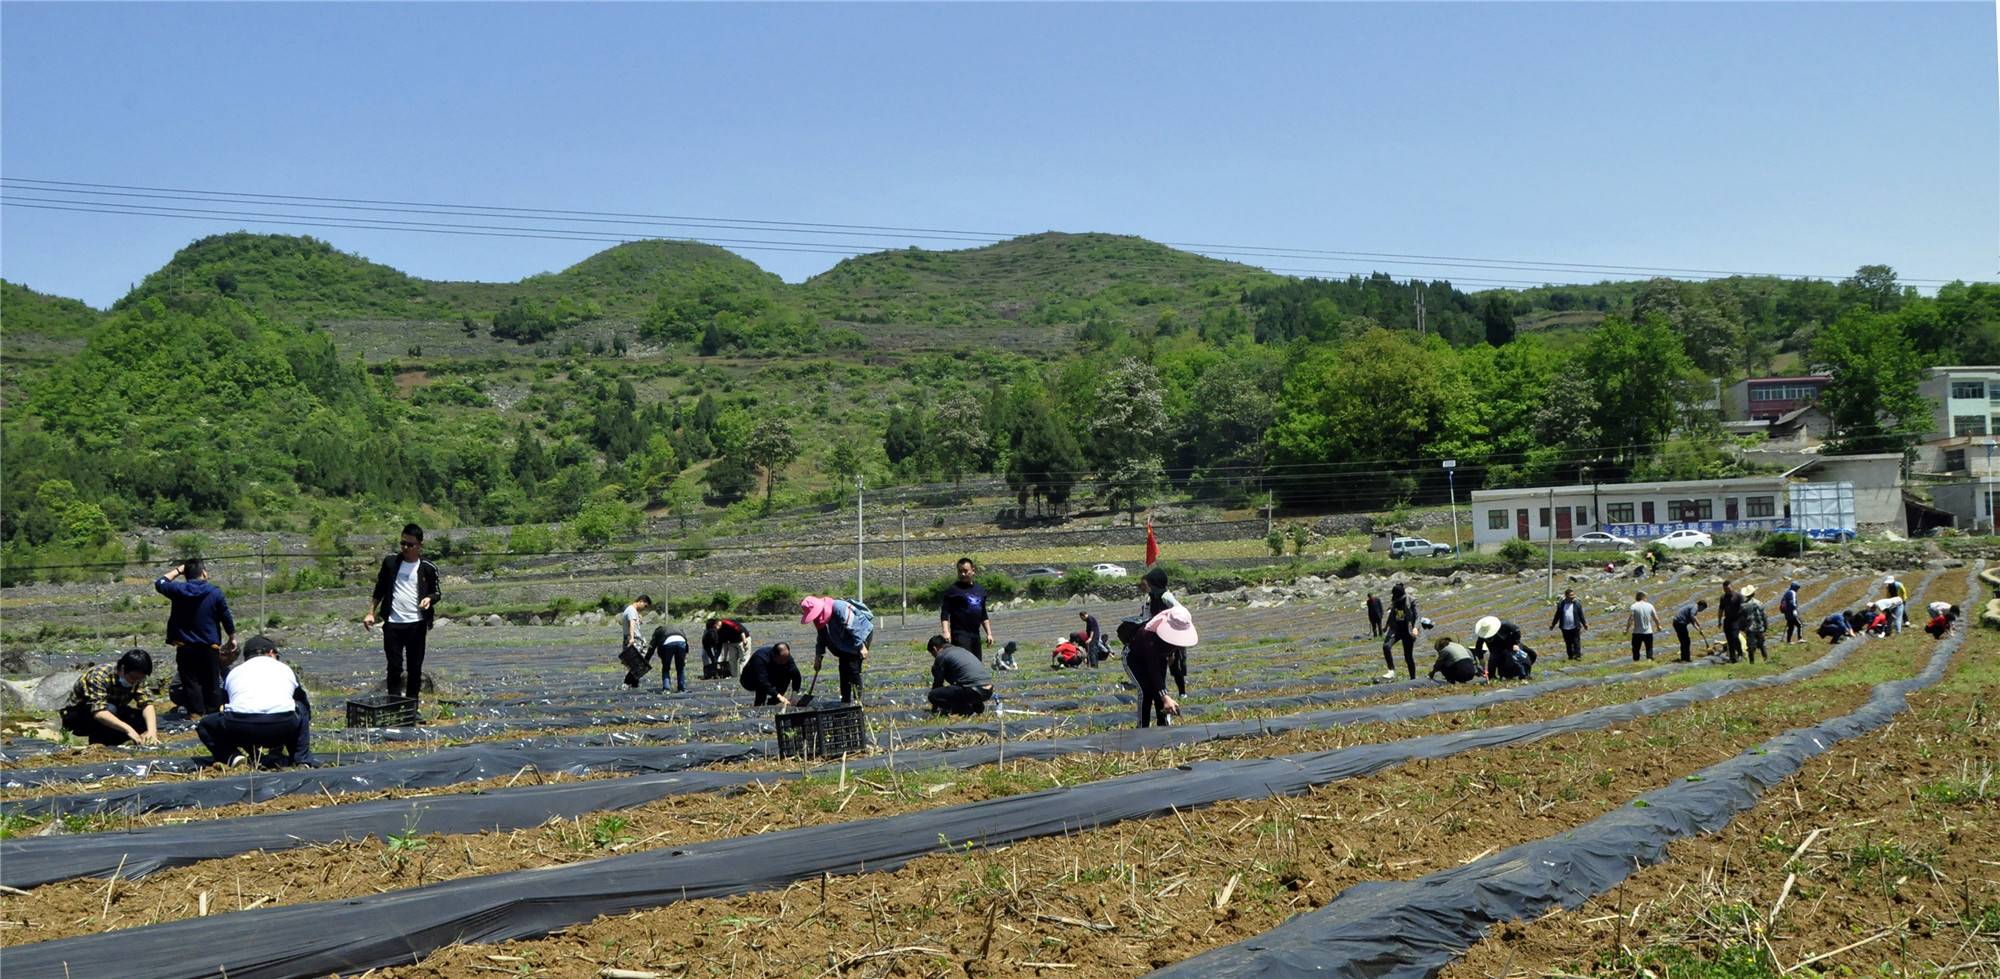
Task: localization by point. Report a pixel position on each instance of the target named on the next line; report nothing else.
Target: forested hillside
(275, 382)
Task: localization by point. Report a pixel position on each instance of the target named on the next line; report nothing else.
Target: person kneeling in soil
(1834, 628)
(1942, 617)
(844, 626)
(1455, 662)
(769, 672)
(1499, 647)
(1755, 621)
(1067, 654)
(108, 705)
(960, 683)
(264, 708)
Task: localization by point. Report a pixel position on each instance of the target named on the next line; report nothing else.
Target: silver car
(1598, 540)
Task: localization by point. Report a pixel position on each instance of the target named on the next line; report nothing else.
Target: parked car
(1830, 535)
(1403, 547)
(1108, 570)
(1681, 540)
(1042, 572)
(1598, 540)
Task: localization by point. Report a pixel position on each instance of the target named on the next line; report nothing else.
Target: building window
(1582, 515)
(1968, 424)
(1701, 509)
(1619, 512)
(1954, 460)
(1968, 390)
(1496, 520)
(1784, 392)
(1761, 506)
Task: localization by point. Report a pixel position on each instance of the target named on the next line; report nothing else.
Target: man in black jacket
(406, 593)
(769, 672)
(1569, 619)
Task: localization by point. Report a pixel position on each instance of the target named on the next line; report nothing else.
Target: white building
(1964, 421)
(1718, 506)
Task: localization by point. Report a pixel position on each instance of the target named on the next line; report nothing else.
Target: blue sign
(1645, 530)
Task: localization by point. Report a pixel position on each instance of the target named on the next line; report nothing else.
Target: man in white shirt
(406, 594)
(264, 708)
(637, 664)
(1642, 622)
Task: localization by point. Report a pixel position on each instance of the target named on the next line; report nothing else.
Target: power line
(815, 227)
(558, 235)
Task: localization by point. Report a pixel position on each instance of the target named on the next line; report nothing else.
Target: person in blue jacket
(844, 627)
(196, 625)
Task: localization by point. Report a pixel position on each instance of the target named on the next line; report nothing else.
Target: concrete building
(1964, 421)
(1718, 506)
(1766, 398)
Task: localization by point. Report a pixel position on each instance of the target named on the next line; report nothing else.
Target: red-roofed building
(1768, 398)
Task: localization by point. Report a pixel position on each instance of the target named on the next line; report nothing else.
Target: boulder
(45, 694)
(16, 662)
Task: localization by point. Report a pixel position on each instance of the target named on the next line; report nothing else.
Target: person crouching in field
(769, 672)
(1455, 662)
(1505, 657)
(109, 706)
(960, 684)
(844, 627)
(1942, 617)
(265, 708)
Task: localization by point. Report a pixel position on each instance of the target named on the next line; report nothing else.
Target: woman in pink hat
(844, 626)
(1164, 637)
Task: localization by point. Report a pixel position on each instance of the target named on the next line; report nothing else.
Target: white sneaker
(1391, 675)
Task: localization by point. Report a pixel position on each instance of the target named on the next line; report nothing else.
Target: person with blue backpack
(844, 627)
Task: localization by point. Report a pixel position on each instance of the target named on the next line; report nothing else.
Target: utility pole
(1451, 483)
(1552, 542)
(859, 595)
(1267, 520)
(1418, 288)
(263, 609)
(903, 561)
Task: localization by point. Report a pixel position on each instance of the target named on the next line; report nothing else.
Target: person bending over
(671, 646)
(1455, 662)
(1500, 642)
(1941, 619)
(769, 672)
(844, 627)
(109, 706)
(1835, 627)
(960, 683)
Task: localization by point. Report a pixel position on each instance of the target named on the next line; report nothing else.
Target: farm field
(550, 822)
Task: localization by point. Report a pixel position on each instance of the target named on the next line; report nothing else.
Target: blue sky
(1759, 138)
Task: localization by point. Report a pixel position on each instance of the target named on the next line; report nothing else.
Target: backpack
(847, 637)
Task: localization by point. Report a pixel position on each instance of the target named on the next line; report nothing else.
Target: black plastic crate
(382, 712)
(823, 732)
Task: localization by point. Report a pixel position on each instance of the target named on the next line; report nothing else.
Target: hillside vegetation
(262, 381)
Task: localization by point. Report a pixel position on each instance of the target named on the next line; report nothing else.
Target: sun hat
(1174, 625)
(815, 609)
(1486, 627)
(1747, 590)
(1890, 580)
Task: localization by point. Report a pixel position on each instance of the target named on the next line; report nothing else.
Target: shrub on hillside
(1779, 545)
(770, 600)
(1517, 552)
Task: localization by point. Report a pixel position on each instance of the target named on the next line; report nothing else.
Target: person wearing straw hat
(1153, 647)
(1500, 642)
(844, 626)
(1755, 621)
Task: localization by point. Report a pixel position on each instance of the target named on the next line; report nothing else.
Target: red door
(1562, 523)
(1646, 514)
(1521, 524)
(1729, 509)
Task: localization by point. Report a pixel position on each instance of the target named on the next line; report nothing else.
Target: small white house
(1636, 510)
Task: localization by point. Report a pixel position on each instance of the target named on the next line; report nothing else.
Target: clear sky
(1804, 138)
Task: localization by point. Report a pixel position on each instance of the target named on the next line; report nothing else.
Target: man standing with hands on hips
(406, 593)
(962, 612)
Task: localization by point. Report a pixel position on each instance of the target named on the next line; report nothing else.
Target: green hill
(1040, 279)
(23, 311)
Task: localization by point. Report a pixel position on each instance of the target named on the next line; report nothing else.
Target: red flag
(1152, 544)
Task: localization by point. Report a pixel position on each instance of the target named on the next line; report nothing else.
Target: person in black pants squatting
(195, 627)
(406, 593)
(1569, 619)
